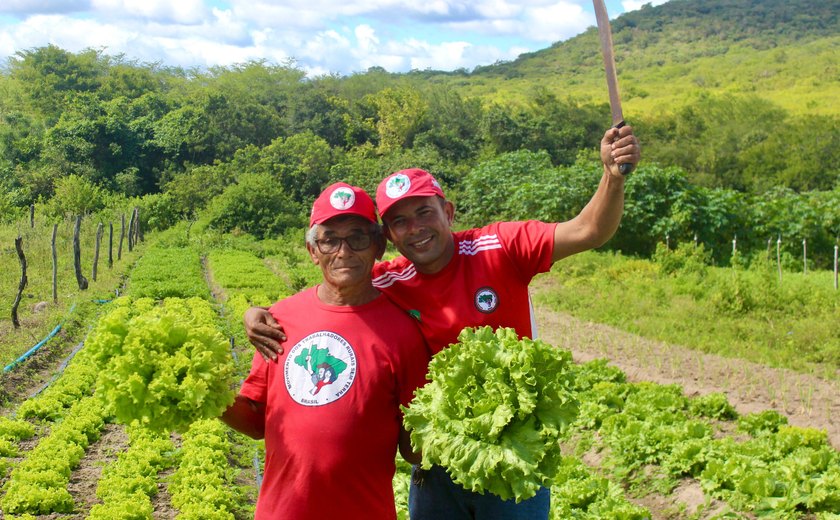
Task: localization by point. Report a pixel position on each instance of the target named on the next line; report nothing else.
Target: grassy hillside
(782, 51)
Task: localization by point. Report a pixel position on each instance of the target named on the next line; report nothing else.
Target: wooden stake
(96, 249)
(110, 245)
(835, 266)
(804, 256)
(23, 280)
(54, 264)
(131, 232)
(32, 216)
(779, 257)
(77, 255)
(122, 235)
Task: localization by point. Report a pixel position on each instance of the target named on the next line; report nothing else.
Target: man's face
(345, 267)
(419, 227)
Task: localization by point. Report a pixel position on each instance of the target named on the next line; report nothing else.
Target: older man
(329, 409)
(472, 278)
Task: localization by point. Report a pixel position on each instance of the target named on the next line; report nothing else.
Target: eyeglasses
(330, 245)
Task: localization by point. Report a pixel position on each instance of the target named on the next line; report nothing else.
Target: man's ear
(312, 254)
(380, 244)
(449, 209)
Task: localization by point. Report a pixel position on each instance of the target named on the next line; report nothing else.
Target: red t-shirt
(332, 418)
(485, 283)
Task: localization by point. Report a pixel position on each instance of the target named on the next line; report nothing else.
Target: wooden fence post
(836, 248)
(138, 230)
(96, 250)
(110, 245)
(22, 285)
(54, 264)
(32, 216)
(779, 256)
(804, 256)
(77, 255)
(122, 235)
(131, 232)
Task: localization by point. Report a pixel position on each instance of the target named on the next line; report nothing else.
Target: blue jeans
(434, 496)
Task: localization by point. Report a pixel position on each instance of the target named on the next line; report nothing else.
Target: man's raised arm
(599, 219)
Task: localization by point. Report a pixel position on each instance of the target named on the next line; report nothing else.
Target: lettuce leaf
(493, 412)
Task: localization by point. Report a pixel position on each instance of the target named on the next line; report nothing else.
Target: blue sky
(319, 36)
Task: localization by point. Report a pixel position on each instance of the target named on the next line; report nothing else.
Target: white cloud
(632, 5)
(322, 36)
(27, 7)
(180, 11)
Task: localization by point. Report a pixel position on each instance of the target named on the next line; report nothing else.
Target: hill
(782, 51)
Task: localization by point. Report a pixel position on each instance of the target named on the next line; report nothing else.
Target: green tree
(257, 205)
(300, 164)
(75, 195)
(400, 113)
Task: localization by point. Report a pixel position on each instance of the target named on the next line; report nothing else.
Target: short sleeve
(255, 386)
(529, 244)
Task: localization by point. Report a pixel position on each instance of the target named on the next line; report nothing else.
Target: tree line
(84, 131)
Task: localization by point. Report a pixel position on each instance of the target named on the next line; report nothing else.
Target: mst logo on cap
(342, 198)
(412, 182)
(397, 186)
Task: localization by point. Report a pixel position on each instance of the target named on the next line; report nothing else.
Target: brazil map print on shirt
(319, 369)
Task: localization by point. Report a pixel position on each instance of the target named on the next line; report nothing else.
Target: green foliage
(744, 313)
(400, 113)
(300, 164)
(38, 485)
(165, 272)
(767, 421)
(258, 204)
(686, 258)
(713, 406)
(488, 188)
(202, 485)
(75, 195)
(494, 411)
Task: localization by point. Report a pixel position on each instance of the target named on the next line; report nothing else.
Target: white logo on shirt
(486, 300)
(320, 369)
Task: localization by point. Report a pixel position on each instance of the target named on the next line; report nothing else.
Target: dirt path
(805, 399)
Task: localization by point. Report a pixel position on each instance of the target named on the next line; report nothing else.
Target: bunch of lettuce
(494, 412)
(165, 365)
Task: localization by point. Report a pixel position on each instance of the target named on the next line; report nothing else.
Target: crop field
(690, 416)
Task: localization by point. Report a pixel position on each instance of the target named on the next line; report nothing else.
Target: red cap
(342, 199)
(412, 182)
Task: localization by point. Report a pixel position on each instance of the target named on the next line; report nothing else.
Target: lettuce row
(38, 485)
(494, 412)
(202, 487)
(128, 483)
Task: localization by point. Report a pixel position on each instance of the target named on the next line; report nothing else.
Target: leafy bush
(258, 205)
